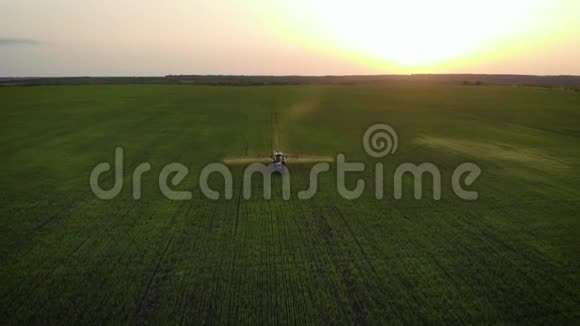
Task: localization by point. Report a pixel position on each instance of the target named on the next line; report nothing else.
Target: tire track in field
(65, 211)
(211, 312)
(114, 267)
(275, 132)
(285, 260)
(92, 235)
(378, 292)
(542, 267)
(31, 246)
(241, 273)
(132, 241)
(421, 233)
(67, 207)
(322, 264)
(360, 247)
(345, 274)
(189, 305)
(234, 305)
(139, 314)
(298, 288)
(299, 304)
(205, 299)
(78, 199)
(56, 265)
(272, 275)
(480, 233)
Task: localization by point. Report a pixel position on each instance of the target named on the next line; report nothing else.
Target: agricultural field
(512, 255)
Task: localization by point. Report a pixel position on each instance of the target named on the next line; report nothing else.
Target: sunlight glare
(415, 33)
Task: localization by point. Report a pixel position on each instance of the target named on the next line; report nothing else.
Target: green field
(513, 255)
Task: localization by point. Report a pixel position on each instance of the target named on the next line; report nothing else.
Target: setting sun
(416, 32)
(427, 36)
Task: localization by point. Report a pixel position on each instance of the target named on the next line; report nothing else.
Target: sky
(283, 37)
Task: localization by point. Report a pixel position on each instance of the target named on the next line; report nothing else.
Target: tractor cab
(278, 158)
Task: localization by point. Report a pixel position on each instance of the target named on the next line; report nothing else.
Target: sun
(414, 33)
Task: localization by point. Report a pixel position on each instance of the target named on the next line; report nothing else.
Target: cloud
(17, 41)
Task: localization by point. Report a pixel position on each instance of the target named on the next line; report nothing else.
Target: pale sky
(288, 37)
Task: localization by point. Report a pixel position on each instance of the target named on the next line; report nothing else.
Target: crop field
(512, 255)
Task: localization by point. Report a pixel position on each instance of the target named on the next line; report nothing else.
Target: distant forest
(232, 80)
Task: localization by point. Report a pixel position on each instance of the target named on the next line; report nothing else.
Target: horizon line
(290, 75)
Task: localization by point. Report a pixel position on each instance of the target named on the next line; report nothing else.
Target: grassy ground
(511, 256)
